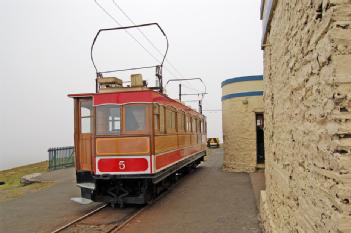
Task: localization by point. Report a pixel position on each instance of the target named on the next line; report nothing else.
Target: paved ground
(258, 184)
(208, 200)
(45, 210)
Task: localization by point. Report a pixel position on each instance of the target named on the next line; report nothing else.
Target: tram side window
(174, 120)
(187, 124)
(193, 125)
(157, 117)
(86, 109)
(108, 120)
(135, 117)
(181, 122)
(162, 119)
(171, 120)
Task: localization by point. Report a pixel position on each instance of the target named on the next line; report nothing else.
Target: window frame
(91, 116)
(146, 130)
(156, 112)
(193, 124)
(161, 118)
(108, 121)
(198, 125)
(181, 127)
(187, 123)
(169, 113)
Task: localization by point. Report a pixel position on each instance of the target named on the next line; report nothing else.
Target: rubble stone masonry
(307, 72)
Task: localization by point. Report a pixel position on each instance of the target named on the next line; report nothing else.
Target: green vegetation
(13, 188)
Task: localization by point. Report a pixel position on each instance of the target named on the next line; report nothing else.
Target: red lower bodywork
(122, 164)
(143, 164)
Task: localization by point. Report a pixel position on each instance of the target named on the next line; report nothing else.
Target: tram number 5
(122, 165)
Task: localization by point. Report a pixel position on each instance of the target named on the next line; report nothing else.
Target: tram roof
(140, 96)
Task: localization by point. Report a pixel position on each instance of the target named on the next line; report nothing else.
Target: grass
(13, 188)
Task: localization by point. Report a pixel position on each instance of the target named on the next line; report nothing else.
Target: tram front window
(108, 120)
(135, 117)
(86, 109)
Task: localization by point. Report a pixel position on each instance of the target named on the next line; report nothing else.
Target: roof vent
(137, 80)
(108, 83)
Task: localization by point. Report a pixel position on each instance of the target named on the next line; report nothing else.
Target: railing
(61, 157)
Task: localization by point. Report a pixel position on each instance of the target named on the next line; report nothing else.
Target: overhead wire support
(139, 43)
(159, 67)
(212, 110)
(145, 36)
(187, 79)
(190, 101)
(131, 35)
(124, 28)
(190, 88)
(202, 94)
(151, 43)
(198, 94)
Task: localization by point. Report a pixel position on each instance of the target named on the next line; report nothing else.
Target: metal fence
(61, 157)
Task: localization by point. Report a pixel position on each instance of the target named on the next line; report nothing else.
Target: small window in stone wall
(259, 121)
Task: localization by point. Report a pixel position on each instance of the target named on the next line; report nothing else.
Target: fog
(45, 55)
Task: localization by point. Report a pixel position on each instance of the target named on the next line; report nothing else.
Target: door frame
(258, 145)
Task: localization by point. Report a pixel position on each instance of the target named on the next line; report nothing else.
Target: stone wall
(239, 127)
(307, 70)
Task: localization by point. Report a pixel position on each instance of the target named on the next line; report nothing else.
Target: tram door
(84, 139)
(260, 137)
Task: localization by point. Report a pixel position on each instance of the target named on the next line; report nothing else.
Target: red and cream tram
(132, 141)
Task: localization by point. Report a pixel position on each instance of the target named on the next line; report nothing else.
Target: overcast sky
(45, 55)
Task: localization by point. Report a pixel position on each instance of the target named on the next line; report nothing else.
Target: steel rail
(117, 226)
(135, 214)
(79, 219)
(124, 220)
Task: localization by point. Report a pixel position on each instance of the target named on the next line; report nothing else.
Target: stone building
(307, 75)
(242, 105)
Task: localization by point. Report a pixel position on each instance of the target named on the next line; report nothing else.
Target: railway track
(106, 219)
(103, 219)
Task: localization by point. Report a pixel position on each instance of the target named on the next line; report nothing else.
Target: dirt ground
(206, 201)
(12, 188)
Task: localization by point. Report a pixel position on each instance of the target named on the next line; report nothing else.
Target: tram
(132, 141)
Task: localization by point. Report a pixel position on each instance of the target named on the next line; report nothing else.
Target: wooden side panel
(199, 138)
(76, 134)
(82, 141)
(184, 140)
(123, 146)
(166, 159)
(193, 139)
(85, 155)
(165, 143)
